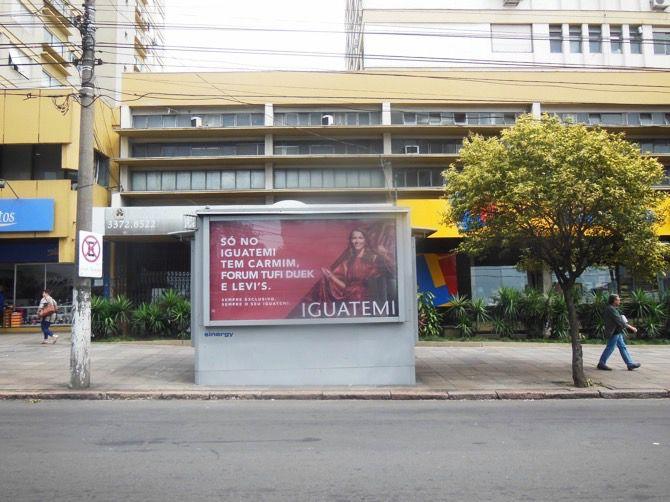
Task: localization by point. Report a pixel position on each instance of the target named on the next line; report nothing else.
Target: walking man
(615, 326)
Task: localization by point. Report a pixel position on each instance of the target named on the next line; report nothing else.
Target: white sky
(212, 45)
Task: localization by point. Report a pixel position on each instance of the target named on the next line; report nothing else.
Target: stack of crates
(16, 320)
(6, 319)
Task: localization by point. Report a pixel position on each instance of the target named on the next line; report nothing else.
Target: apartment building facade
(41, 45)
(568, 35)
(39, 79)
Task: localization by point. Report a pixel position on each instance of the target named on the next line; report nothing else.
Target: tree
(564, 196)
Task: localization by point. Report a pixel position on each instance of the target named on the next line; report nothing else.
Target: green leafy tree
(565, 196)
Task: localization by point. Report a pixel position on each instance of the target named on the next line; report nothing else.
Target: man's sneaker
(55, 337)
(44, 342)
(604, 367)
(633, 366)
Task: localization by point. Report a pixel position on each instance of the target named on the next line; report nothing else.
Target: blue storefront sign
(26, 215)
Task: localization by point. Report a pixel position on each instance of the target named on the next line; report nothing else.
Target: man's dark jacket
(614, 324)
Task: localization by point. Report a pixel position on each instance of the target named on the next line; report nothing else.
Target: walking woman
(47, 311)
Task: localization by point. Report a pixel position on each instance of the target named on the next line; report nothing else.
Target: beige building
(189, 140)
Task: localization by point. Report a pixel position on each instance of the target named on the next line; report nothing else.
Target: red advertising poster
(324, 268)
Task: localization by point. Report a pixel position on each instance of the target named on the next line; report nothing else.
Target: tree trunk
(577, 357)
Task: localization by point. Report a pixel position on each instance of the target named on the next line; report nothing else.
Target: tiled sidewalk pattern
(25, 365)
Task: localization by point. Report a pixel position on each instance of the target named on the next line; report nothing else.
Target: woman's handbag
(49, 309)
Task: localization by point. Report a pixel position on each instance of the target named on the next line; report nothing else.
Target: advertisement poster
(322, 268)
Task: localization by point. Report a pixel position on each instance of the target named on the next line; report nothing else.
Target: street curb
(326, 395)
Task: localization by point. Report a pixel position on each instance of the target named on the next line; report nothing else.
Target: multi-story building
(39, 158)
(40, 43)
(508, 34)
(40, 131)
(209, 139)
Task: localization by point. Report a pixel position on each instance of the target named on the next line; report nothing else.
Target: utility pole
(80, 363)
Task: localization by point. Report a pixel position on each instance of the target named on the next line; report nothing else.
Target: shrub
(506, 310)
(168, 316)
(458, 311)
(102, 322)
(645, 311)
(121, 312)
(558, 316)
(591, 313)
(533, 312)
(430, 319)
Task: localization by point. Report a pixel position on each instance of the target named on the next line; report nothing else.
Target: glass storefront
(23, 284)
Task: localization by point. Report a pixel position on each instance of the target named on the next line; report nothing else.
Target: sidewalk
(489, 370)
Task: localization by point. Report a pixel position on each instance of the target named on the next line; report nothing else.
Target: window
(424, 146)
(511, 38)
(346, 146)
(31, 162)
(418, 177)
(19, 62)
(312, 119)
(635, 36)
(328, 178)
(595, 39)
(101, 169)
(169, 181)
(409, 118)
(594, 279)
(49, 81)
(612, 118)
(487, 280)
(556, 38)
(287, 150)
(595, 118)
(575, 34)
(661, 41)
(646, 119)
(616, 39)
(208, 120)
(213, 149)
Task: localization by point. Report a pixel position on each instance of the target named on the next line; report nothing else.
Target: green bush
(430, 319)
(558, 317)
(533, 312)
(102, 322)
(646, 313)
(458, 311)
(591, 313)
(167, 317)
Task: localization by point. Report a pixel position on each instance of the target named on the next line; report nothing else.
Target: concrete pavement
(488, 370)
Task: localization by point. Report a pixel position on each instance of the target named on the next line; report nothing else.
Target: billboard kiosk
(304, 295)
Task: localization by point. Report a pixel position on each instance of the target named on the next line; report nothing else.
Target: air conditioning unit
(511, 3)
(412, 149)
(327, 120)
(659, 4)
(196, 121)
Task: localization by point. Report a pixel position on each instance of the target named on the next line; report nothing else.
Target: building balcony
(56, 54)
(141, 20)
(58, 13)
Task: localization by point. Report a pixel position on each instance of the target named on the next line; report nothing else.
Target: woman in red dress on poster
(352, 277)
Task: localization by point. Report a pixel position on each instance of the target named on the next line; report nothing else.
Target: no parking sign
(90, 254)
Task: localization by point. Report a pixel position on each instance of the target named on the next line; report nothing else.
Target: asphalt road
(335, 450)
